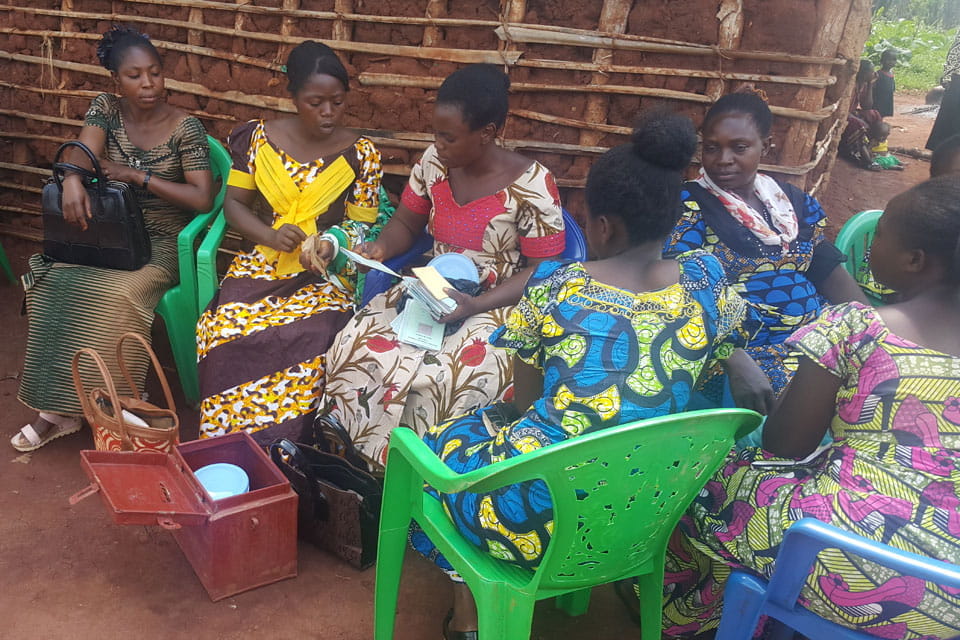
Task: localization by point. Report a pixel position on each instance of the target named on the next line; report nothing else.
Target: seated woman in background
(661, 320)
(492, 205)
(262, 341)
(163, 154)
(886, 384)
(769, 237)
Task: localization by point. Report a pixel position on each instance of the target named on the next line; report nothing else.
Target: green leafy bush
(922, 50)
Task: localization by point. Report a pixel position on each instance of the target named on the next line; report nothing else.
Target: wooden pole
(433, 33)
(579, 38)
(342, 29)
(613, 19)
(397, 80)
(802, 135)
(729, 34)
(465, 56)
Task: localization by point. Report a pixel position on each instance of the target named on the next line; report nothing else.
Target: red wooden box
(234, 544)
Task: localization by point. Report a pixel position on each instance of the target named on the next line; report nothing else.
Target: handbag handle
(299, 462)
(59, 167)
(349, 450)
(87, 405)
(168, 396)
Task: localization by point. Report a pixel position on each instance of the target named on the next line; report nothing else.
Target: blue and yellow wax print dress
(608, 357)
(774, 282)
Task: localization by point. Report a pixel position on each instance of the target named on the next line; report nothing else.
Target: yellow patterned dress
(262, 340)
(375, 382)
(608, 357)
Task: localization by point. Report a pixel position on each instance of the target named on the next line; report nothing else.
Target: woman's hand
(375, 250)
(464, 309)
(316, 254)
(287, 238)
(122, 173)
(75, 202)
(749, 385)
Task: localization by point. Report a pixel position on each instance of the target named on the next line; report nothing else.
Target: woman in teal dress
(595, 345)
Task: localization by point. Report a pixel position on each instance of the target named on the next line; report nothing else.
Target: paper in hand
(367, 262)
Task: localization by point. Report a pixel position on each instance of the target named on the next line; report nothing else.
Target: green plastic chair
(5, 266)
(854, 241)
(617, 496)
(178, 307)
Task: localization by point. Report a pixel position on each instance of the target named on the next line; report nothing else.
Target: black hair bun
(665, 140)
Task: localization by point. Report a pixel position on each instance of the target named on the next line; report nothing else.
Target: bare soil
(69, 572)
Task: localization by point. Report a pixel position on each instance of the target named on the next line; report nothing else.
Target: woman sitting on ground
(162, 153)
(769, 237)
(886, 384)
(661, 320)
(262, 341)
(492, 205)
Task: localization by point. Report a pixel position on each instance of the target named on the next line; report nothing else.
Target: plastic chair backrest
(575, 245)
(618, 493)
(855, 238)
(798, 551)
(220, 165)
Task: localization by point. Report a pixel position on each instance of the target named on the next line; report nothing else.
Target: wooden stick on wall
(613, 19)
(729, 35)
(433, 34)
(801, 136)
(342, 30)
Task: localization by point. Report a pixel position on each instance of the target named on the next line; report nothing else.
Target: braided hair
(639, 182)
(117, 40)
(309, 58)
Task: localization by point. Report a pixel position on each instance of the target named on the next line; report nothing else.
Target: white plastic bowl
(222, 480)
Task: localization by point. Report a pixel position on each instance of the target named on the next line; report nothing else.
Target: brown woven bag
(110, 431)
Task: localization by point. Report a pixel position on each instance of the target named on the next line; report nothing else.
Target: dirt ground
(69, 572)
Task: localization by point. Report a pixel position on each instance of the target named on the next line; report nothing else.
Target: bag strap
(58, 175)
(156, 367)
(89, 411)
(299, 462)
(345, 447)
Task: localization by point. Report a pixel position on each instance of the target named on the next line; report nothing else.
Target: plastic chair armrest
(207, 281)
(806, 538)
(186, 256)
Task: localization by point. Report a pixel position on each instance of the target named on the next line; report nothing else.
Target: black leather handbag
(339, 507)
(115, 238)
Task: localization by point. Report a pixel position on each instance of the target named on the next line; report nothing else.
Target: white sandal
(27, 439)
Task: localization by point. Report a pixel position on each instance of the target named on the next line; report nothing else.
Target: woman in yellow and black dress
(262, 341)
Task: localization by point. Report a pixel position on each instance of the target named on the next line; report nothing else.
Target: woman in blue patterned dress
(768, 235)
(596, 345)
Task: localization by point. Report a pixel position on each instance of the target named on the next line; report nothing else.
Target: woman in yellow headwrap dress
(261, 342)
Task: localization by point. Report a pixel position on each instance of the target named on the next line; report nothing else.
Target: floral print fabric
(892, 475)
(375, 382)
(608, 357)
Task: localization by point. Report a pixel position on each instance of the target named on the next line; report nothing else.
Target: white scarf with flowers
(778, 205)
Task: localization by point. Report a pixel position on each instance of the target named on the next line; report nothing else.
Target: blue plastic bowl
(222, 480)
(456, 266)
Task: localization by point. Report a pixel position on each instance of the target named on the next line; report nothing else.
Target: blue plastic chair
(747, 597)
(575, 248)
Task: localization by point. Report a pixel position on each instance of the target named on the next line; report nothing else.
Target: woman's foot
(47, 427)
(461, 620)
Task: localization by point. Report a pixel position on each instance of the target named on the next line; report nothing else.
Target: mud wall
(581, 72)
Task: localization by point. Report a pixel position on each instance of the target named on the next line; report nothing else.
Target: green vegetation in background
(922, 49)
